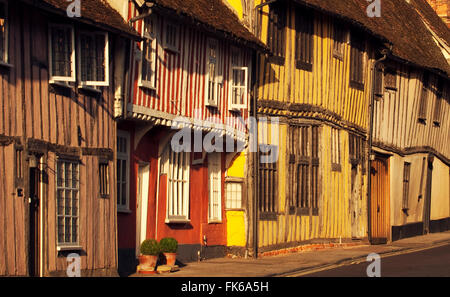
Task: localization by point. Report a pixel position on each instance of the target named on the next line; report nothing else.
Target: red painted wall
(147, 151)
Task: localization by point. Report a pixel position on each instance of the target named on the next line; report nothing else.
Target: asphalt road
(434, 262)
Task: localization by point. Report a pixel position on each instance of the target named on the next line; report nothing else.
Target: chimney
(442, 8)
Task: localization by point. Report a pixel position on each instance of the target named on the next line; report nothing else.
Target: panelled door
(379, 204)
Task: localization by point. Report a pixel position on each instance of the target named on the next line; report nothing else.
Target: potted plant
(150, 250)
(169, 248)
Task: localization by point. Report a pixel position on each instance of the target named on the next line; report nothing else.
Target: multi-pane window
(214, 88)
(103, 177)
(423, 104)
(268, 186)
(438, 105)
(215, 187)
(239, 79)
(406, 175)
(276, 29)
(357, 61)
(304, 168)
(123, 164)
(335, 150)
(340, 36)
(3, 32)
(170, 37)
(147, 66)
(93, 58)
(379, 90)
(356, 151)
(390, 79)
(304, 45)
(67, 193)
(61, 53)
(19, 176)
(233, 194)
(178, 186)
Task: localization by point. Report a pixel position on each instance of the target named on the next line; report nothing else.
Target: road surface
(432, 262)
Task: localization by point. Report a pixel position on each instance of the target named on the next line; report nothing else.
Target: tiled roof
(400, 24)
(96, 12)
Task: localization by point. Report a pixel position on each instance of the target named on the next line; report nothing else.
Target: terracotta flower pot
(147, 262)
(170, 258)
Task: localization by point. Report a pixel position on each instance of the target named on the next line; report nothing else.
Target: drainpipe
(384, 52)
(255, 161)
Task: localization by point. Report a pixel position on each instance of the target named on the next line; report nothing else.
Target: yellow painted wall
(236, 218)
(326, 87)
(235, 228)
(237, 5)
(237, 167)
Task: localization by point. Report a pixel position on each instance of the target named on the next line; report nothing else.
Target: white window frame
(124, 157)
(54, 78)
(106, 55)
(230, 199)
(215, 176)
(234, 106)
(166, 45)
(64, 216)
(173, 214)
(5, 59)
(218, 79)
(151, 37)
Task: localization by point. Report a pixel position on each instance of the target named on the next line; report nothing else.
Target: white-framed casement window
(170, 36)
(67, 199)
(147, 66)
(215, 188)
(93, 58)
(123, 171)
(238, 81)
(4, 32)
(177, 167)
(61, 45)
(214, 75)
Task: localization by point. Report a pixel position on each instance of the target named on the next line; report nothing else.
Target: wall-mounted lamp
(33, 161)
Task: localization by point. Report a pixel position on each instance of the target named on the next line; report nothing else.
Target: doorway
(34, 202)
(379, 204)
(427, 202)
(142, 204)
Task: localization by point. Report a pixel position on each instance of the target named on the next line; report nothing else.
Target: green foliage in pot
(150, 247)
(168, 245)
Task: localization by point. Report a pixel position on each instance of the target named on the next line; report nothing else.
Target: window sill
(90, 89)
(60, 83)
(123, 210)
(144, 86)
(7, 65)
(215, 222)
(276, 60)
(303, 66)
(63, 248)
(177, 221)
(268, 216)
(303, 211)
(357, 85)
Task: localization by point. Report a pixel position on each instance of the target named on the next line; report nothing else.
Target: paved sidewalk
(299, 262)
